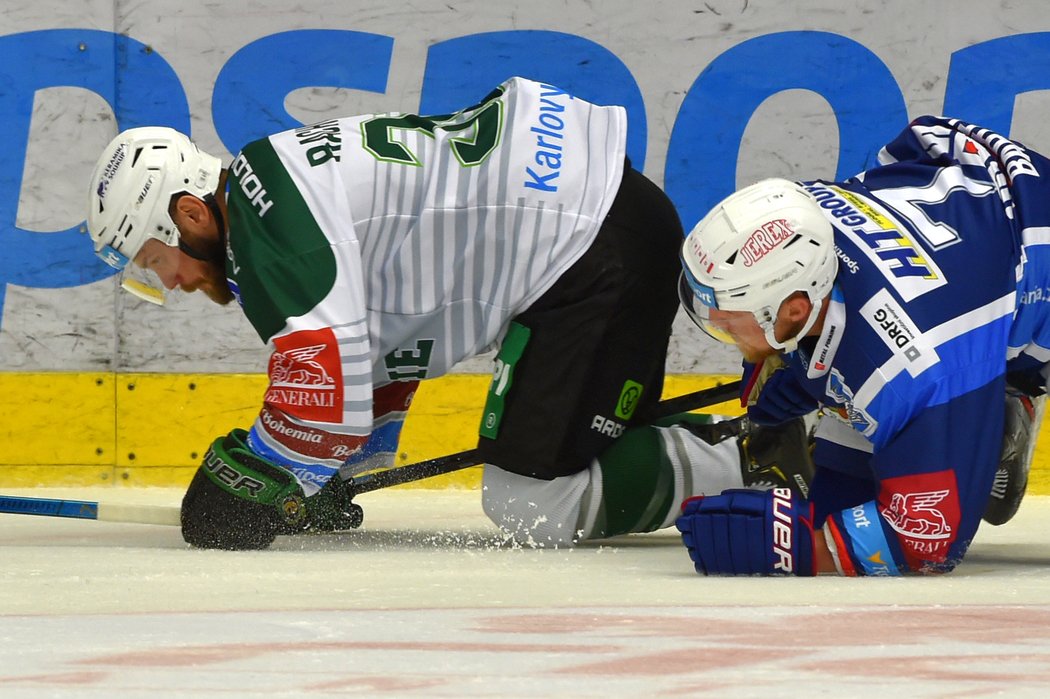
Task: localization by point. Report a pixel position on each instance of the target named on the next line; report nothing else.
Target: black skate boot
(1024, 415)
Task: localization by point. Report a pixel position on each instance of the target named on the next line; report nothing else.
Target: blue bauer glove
(749, 532)
(772, 393)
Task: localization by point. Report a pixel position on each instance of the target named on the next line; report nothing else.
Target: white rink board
(425, 601)
(52, 321)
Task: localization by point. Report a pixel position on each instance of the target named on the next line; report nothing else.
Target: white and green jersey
(385, 248)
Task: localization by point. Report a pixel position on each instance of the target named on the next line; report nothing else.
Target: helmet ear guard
(755, 249)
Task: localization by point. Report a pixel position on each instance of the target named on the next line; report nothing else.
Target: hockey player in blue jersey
(904, 303)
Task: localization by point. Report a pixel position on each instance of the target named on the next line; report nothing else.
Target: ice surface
(428, 600)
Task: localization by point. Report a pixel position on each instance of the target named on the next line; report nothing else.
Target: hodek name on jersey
(251, 185)
(550, 135)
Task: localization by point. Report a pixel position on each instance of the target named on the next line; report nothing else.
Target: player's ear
(187, 208)
(796, 307)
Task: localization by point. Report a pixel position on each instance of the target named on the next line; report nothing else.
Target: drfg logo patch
(306, 377)
(898, 332)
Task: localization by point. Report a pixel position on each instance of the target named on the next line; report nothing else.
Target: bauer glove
(239, 500)
(749, 532)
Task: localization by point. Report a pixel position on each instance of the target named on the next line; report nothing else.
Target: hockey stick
(84, 509)
(366, 483)
(441, 465)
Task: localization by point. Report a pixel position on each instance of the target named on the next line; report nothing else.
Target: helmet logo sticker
(145, 189)
(765, 239)
(111, 170)
(112, 257)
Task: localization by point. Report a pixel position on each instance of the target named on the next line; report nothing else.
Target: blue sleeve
(390, 407)
(380, 449)
(1030, 331)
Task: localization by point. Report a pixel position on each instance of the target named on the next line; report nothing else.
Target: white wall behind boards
(719, 93)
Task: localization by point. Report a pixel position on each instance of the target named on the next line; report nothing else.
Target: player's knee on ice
(535, 512)
(637, 485)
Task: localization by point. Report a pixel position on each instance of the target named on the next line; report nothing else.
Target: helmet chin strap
(791, 344)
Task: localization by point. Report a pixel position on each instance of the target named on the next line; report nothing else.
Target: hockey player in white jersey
(375, 251)
(904, 302)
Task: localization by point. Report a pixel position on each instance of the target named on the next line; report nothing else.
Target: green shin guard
(638, 476)
(637, 485)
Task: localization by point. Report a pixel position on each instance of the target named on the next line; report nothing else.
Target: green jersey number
(481, 127)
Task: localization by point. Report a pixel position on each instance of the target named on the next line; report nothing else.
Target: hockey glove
(772, 394)
(749, 532)
(239, 500)
(332, 508)
(777, 455)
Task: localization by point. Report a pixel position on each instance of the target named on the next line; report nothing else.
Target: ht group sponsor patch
(884, 240)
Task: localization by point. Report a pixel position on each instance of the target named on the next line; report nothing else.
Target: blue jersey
(944, 279)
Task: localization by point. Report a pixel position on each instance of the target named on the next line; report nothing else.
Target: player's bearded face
(192, 274)
(207, 276)
(176, 269)
(212, 282)
(748, 335)
(745, 331)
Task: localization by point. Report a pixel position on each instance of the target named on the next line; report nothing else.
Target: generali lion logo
(306, 379)
(917, 516)
(924, 510)
(298, 368)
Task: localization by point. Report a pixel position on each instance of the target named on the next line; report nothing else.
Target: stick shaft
(454, 462)
(140, 514)
(77, 509)
(88, 509)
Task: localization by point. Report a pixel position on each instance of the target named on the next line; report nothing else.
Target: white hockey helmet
(752, 251)
(131, 189)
